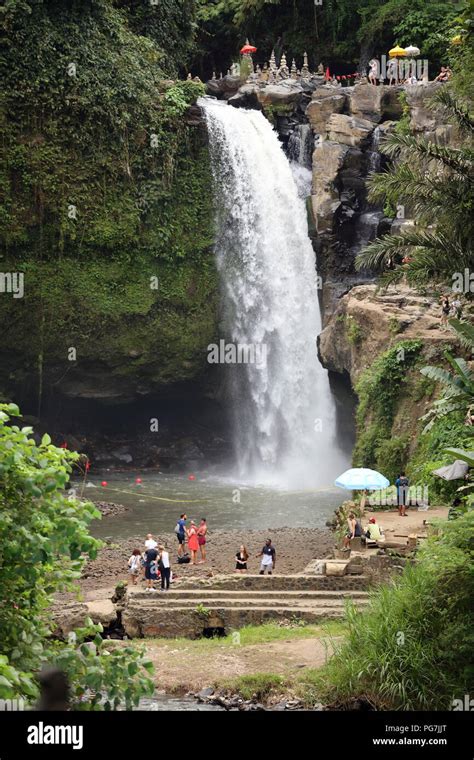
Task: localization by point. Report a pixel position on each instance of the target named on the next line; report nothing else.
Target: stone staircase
(226, 603)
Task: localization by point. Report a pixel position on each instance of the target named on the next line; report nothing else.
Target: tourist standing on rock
(268, 556)
(151, 568)
(134, 565)
(202, 532)
(165, 568)
(180, 531)
(241, 560)
(193, 541)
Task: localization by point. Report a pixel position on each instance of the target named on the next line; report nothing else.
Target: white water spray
(284, 412)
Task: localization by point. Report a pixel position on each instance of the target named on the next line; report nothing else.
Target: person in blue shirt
(402, 483)
(180, 531)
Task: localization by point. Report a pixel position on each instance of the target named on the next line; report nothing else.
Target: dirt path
(181, 668)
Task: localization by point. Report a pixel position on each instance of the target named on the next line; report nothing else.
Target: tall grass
(412, 649)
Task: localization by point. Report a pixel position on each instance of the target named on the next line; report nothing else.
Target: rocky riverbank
(295, 548)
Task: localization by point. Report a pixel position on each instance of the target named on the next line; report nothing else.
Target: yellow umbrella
(397, 52)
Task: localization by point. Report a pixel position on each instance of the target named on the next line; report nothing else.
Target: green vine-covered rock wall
(105, 206)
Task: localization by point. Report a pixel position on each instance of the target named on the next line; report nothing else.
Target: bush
(44, 541)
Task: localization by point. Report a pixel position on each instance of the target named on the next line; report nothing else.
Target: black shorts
(241, 567)
(150, 574)
(180, 537)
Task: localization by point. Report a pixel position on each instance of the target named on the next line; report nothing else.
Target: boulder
(102, 611)
(423, 119)
(246, 97)
(328, 159)
(366, 102)
(348, 130)
(223, 88)
(336, 567)
(279, 94)
(68, 616)
(325, 101)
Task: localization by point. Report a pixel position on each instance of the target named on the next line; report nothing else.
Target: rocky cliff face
(366, 323)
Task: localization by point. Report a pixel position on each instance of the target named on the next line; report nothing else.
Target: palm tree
(436, 183)
(458, 385)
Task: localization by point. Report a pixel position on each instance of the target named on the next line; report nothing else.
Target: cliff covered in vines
(105, 199)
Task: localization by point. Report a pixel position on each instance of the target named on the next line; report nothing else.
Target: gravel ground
(295, 548)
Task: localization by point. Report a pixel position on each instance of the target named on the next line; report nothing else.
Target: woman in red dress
(193, 542)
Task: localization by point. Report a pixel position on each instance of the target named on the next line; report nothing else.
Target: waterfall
(283, 410)
(300, 154)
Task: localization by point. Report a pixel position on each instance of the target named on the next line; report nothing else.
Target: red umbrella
(248, 49)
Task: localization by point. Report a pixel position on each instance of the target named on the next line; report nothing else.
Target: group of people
(450, 309)
(153, 563)
(195, 536)
(372, 532)
(267, 558)
(444, 75)
(395, 71)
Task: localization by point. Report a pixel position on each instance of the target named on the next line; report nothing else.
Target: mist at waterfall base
(283, 411)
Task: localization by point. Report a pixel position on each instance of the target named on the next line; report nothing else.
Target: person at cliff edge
(268, 556)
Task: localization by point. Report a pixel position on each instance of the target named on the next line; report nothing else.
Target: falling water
(300, 153)
(283, 410)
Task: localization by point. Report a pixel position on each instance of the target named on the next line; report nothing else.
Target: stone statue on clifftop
(305, 73)
(283, 71)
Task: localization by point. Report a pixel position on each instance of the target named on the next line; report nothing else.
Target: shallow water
(156, 504)
(175, 704)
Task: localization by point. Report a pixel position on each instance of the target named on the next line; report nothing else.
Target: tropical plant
(411, 649)
(458, 385)
(44, 541)
(436, 183)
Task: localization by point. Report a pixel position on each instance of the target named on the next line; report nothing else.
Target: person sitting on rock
(354, 529)
(373, 531)
(443, 75)
(268, 556)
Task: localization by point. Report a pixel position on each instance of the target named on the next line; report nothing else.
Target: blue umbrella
(362, 479)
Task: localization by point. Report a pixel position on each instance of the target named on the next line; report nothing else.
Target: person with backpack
(151, 568)
(402, 483)
(180, 531)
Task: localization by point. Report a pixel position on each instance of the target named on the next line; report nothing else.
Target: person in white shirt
(165, 568)
(150, 542)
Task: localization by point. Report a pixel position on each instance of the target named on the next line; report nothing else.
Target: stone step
(164, 600)
(249, 594)
(301, 582)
